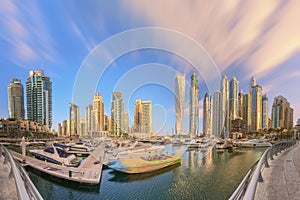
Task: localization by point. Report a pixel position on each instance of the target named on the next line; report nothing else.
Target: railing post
(5, 157)
(280, 147)
(266, 161)
(271, 153)
(260, 178)
(276, 150)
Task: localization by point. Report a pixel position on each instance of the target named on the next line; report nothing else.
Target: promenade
(8, 189)
(281, 179)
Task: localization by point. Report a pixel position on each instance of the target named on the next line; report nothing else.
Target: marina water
(203, 174)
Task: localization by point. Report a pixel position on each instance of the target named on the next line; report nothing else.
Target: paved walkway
(8, 189)
(281, 180)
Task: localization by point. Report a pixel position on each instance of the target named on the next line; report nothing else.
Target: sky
(137, 47)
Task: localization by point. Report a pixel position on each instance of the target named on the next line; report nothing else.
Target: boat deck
(89, 172)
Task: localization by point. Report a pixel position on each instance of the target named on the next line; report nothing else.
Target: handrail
(240, 190)
(247, 188)
(25, 188)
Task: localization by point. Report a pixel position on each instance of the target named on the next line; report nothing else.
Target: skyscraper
(143, 117)
(15, 99)
(179, 102)
(282, 113)
(89, 118)
(206, 115)
(83, 127)
(225, 120)
(247, 105)
(217, 113)
(74, 119)
(124, 124)
(256, 115)
(252, 83)
(66, 128)
(265, 111)
(240, 103)
(233, 99)
(39, 98)
(98, 112)
(107, 123)
(116, 113)
(194, 106)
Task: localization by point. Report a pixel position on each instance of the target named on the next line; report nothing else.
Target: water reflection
(203, 174)
(127, 178)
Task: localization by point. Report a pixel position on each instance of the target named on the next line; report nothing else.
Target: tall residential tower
(74, 119)
(39, 98)
(116, 113)
(265, 111)
(207, 115)
(143, 117)
(194, 106)
(179, 102)
(225, 120)
(233, 99)
(15, 99)
(282, 113)
(217, 114)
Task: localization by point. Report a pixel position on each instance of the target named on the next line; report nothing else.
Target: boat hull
(141, 165)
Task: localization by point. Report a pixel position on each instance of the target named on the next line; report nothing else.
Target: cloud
(87, 44)
(260, 35)
(25, 33)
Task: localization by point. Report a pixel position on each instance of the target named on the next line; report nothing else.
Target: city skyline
(34, 41)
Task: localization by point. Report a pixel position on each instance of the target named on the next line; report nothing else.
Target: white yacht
(253, 143)
(56, 155)
(138, 149)
(79, 150)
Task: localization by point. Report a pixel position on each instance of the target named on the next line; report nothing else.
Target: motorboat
(136, 150)
(194, 144)
(253, 143)
(204, 143)
(56, 155)
(223, 144)
(79, 150)
(177, 143)
(144, 164)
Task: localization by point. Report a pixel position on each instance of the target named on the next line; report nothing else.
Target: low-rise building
(10, 127)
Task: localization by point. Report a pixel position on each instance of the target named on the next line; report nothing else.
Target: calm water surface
(203, 174)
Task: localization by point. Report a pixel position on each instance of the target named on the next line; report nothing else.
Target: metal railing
(247, 188)
(25, 188)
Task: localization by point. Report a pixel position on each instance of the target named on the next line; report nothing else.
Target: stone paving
(281, 179)
(8, 189)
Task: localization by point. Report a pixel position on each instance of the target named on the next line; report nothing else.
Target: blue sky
(243, 39)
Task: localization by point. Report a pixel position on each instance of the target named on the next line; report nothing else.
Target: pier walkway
(8, 189)
(282, 178)
(88, 172)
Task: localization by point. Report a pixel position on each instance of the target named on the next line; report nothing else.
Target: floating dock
(89, 172)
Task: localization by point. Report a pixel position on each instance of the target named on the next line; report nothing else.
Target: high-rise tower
(74, 119)
(179, 102)
(98, 112)
(217, 113)
(39, 98)
(116, 113)
(143, 117)
(256, 115)
(282, 113)
(247, 105)
(265, 111)
(206, 115)
(194, 106)
(15, 99)
(225, 120)
(233, 99)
